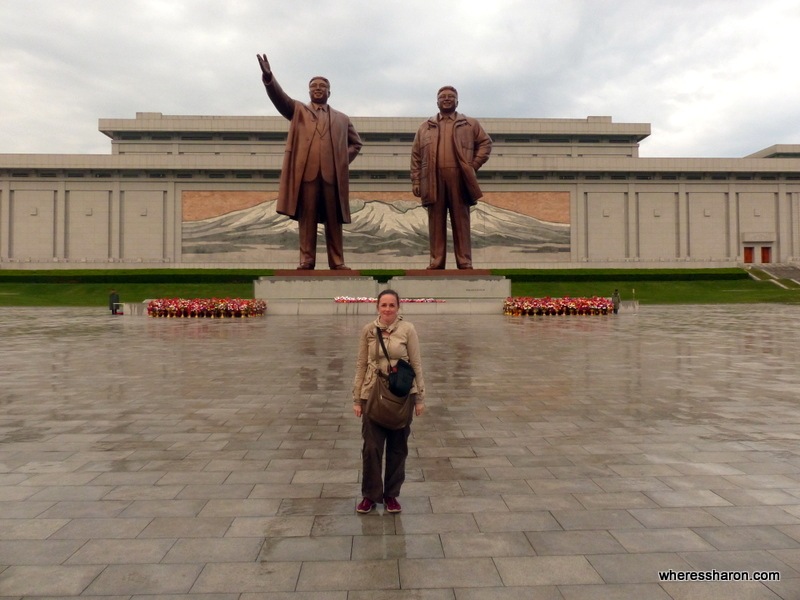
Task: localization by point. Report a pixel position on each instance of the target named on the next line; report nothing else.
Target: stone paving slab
(560, 458)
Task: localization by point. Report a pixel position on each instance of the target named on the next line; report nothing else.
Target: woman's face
(387, 308)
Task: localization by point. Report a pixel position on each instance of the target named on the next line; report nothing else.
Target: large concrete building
(184, 191)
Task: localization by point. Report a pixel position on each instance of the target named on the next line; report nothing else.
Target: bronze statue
(315, 179)
(448, 150)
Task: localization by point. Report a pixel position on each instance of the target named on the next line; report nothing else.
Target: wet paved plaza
(560, 458)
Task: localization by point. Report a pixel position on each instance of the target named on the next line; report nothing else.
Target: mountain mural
(398, 229)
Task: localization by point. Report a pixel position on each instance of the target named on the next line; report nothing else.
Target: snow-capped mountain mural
(392, 229)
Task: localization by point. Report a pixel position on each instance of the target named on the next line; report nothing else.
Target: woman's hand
(357, 409)
(419, 408)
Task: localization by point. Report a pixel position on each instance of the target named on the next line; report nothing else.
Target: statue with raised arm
(448, 150)
(315, 178)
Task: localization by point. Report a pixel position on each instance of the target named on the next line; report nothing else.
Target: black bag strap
(380, 339)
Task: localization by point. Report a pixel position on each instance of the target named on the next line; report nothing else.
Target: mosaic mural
(224, 226)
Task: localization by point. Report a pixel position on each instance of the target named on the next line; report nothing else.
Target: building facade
(183, 191)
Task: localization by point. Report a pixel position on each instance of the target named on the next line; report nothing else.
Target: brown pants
(318, 202)
(450, 199)
(373, 486)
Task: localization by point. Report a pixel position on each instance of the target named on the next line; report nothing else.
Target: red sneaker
(392, 505)
(365, 506)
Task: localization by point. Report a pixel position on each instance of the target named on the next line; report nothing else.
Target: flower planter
(557, 306)
(211, 308)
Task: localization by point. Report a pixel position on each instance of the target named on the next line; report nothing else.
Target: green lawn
(96, 294)
(667, 292)
(91, 288)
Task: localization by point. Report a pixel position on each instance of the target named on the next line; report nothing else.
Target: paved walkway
(563, 458)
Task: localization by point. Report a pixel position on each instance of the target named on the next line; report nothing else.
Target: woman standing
(400, 339)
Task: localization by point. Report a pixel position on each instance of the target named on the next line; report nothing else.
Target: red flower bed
(212, 308)
(557, 306)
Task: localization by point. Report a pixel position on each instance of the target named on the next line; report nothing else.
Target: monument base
(313, 292)
(448, 273)
(304, 292)
(316, 273)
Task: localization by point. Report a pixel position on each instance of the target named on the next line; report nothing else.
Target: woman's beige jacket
(401, 341)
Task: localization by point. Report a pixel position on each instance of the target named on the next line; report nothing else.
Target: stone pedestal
(464, 293)
(312, 292)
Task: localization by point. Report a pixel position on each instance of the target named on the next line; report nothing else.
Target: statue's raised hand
(266, 71)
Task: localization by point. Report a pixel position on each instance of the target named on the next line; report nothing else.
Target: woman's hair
(392, 292)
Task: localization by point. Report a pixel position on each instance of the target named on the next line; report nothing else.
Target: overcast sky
(715, 78)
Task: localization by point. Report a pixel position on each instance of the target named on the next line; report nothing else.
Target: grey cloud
(674, 64)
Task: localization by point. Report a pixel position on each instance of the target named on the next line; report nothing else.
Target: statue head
(319, 89)
(447, 99)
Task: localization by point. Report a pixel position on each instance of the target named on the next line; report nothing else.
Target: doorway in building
(766, 254)
(749, 252)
